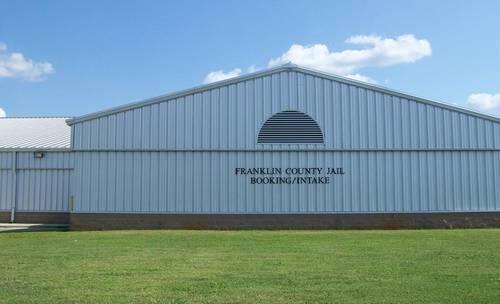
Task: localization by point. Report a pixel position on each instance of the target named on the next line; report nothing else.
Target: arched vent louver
(290, 127)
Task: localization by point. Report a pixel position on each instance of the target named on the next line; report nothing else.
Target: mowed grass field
(403, 266)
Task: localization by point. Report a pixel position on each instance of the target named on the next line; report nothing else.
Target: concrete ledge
(37, 217)
(285, 221)
(7, 227)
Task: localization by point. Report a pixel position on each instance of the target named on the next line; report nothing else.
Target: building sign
(289, 176)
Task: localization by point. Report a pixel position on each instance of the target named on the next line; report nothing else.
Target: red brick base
(284, 221)
(36, 217)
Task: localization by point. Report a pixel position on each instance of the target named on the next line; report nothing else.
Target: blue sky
(69, 58)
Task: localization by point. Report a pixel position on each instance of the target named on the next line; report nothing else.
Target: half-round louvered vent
(290, 127)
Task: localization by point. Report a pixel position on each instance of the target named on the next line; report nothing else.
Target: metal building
(285, 147)
(35, 169)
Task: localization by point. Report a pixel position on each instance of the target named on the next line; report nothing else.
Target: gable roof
(33, 133)
(286, 67)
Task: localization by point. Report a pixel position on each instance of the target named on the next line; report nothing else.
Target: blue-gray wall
(35, 184)
(203, 182)
(179, 155)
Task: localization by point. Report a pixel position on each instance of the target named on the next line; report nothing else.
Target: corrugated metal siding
(205, 182)
(230, 117)
(6, 186)
(41, 184)
(6, 180)
(50, 160)
(5, 160)
(179, 156)
(43, 190)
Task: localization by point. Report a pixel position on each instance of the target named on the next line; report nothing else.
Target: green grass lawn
(405, 266)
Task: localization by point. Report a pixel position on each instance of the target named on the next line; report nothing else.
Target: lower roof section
(34, 133)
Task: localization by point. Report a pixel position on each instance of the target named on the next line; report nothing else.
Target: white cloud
(2, 113)
(381, 52)
(361, 78)
(252, 69)
(15, 65)
(484, 101)
(377, 52)
(221, 75)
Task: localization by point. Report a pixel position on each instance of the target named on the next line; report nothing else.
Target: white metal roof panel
(34, 133)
